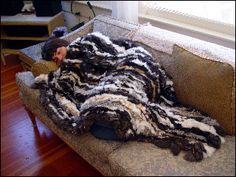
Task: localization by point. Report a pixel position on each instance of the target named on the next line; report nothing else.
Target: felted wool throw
(119, 82)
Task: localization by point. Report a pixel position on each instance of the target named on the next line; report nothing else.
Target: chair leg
(3, 59)
(32, 117)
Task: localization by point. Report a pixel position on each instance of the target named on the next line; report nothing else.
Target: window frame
(189, 22)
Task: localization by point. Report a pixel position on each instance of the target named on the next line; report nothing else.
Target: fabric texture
(211, 89)
(144, 159)
(43, 67)
(162, 43)
(131, 158)
(113, 158)
(113, 28)
(164, 40)
(117, 81)
(99, 129)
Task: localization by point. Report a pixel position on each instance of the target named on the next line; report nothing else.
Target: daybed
(203, 75)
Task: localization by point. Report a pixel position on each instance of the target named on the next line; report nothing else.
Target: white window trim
(208, 30)
(191, 20)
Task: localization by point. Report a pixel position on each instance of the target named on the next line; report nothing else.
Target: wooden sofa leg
(32, 117)
(3, 59)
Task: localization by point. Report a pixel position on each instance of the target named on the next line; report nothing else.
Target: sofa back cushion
(204, 84)
(113, 28)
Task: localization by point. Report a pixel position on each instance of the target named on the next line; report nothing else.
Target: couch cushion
(204, 84)
(43, 67)
(139, 159)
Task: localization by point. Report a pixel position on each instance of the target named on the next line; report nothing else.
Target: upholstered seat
(130, 158)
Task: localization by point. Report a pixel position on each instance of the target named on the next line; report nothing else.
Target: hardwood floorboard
(28, 151)
(8, 76)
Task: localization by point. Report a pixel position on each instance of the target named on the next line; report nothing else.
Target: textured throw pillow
(43, 67)
(204, 84)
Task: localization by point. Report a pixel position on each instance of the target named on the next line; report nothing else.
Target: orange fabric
(43, 67)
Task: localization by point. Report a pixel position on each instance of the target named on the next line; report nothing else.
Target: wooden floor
(25, 151)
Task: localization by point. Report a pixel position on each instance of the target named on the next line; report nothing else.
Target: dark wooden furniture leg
(32, 117)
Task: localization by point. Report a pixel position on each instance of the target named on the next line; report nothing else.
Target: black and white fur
(119, 82)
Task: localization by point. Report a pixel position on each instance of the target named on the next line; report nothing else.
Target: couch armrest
(25, 81)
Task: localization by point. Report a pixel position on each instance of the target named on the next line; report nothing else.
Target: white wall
(85, 12)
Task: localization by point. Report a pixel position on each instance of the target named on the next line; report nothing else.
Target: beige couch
(202, 78)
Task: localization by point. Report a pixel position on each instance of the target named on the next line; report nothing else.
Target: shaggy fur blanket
(119, 82)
